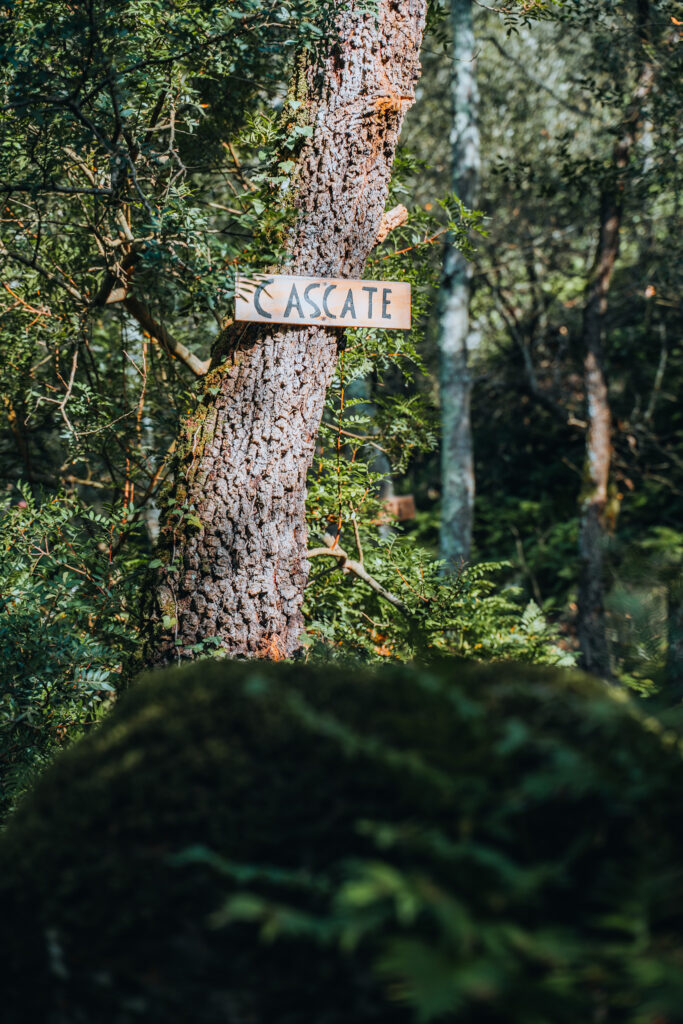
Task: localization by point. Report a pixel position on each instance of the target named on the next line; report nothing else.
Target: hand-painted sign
(335, 302)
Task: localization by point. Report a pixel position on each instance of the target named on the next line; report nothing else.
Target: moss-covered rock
(276, 844)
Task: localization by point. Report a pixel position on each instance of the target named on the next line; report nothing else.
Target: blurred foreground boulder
(279, 844)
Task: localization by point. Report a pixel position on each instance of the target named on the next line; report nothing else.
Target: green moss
(197, 431)
(297, 112)
(196, 435)
(540, 807)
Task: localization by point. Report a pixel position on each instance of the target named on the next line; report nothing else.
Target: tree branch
(51, 186)
(390, 220)
(532, 78)
(332, 550)
(139, 312)
(53, 278)
(540, 394)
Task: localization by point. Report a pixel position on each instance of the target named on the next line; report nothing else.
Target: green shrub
(280, 844)
(65, 624)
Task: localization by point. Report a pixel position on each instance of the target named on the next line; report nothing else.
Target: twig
(47, 274)
(143, 316)
(332, 550)
(390, 220)
(45, 311)
(525, 566)
(366, 439)
(659, 376)
(238, 167)
(425, 241)
(67, 395)
(358, 543)
(164, 464)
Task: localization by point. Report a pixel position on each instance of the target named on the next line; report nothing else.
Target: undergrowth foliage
(65, 624)
(375, 422)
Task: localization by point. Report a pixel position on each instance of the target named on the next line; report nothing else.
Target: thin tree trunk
(592, 631)
(592, 528)
(457, 466)
(234, 535)
(674, 660)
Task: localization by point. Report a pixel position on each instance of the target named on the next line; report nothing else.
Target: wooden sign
(335, 302)
(401, 506)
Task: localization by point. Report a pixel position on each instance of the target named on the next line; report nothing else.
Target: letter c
(327, 291)
(310, 300)
(259, 308)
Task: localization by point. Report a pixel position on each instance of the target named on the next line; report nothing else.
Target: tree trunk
(457, 467)
(234, 536)
(674, 660)
(592, 629)
(592, 530)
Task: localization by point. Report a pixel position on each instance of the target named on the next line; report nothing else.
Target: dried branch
(332, 550)
(390, 220)
(53, 278)
(176, 348)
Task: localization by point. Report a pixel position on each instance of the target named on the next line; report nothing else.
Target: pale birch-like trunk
(234, 538)
(377, 460)
(457, 464)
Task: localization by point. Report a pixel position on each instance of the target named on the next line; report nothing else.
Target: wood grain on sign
(287, 299)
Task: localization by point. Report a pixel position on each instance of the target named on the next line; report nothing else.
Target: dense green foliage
(377, 421)
(64, 627)
(554, 98)
(290, 844)
(115, 131)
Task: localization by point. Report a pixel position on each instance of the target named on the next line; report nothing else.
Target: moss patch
(541, 807)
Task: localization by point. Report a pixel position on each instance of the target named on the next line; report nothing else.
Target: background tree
(594, 497)
(551, 117)
(457, 460)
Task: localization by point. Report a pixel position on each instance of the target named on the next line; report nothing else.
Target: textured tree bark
(592, 630)
(234, 537)
(457, 463)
